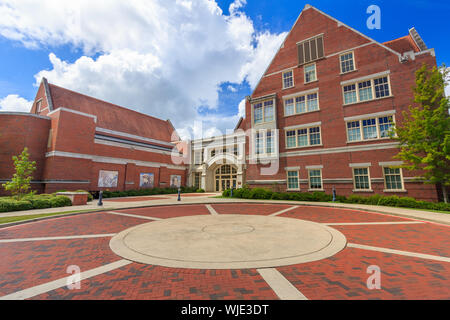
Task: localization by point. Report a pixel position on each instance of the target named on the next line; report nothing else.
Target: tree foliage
(21, 180)
(424, 134)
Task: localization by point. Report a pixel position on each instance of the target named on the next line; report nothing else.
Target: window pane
(268, 111)
(258, 112)
(350, 94)
(313, 102)
(289, 107)
(314, 136)
(315, 179)
(302, 137)
(288, 79)
(293, 180)
(381, 87)
(259, 143)
(269, 143)
(386, 123)
(393, 179)
(290, 139)
(347, 62)
(365, 90)
(361, 178)
(353, 131)
(310, 73)
(370, 129)
(300, 106)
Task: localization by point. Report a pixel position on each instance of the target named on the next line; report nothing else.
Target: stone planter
(77, 198)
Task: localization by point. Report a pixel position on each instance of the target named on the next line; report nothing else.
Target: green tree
(20, 182)
(424, 134)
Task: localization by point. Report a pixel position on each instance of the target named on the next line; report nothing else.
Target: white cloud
(15, 103)
(241, 108)
(161, 57)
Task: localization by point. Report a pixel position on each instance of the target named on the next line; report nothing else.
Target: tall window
(361, 178)
(38, 105)
(372, 128)
(353, 131)
(268, 111)
(386, 124)
(288, 79)
(292, 180)
(347, 62)
(197, 157)
(310, 73)
(350, 94)
(366, 90)
(259, 143)
(303, 137)
(197, 176)
(258, 112)
(393, 178)
(301, 104)
(263, 111)
(315, 179)
(269, 143)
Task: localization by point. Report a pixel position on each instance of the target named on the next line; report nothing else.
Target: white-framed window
(361, 179)
(301, 104)
(263, 112)
(292, 180)
(258, 113)
(393, 179)
(288, 79)
(315, 179)
(310, 73)
(265, 142)
(269, 143)
(259, 142)
(372, 128)
(289, 107)
(350, 94)
(347, 61)
(366, 90)
(196, 182)
(213, 153)
(304, 137)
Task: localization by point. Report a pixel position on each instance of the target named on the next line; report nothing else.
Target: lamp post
(100, 198)
(179, 194)
(334, 194)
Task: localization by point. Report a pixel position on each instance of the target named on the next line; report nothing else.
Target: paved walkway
(158, 200)
(386, 256)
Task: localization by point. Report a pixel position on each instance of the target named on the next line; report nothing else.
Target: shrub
(200, 191)
(60, 201)
(7, 205)
(391, 201)
(260, 193)
(227, 193)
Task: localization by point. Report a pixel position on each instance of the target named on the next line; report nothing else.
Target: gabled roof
(403, 44)
(111, 116)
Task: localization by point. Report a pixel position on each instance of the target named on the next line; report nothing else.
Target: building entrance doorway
(225, 177)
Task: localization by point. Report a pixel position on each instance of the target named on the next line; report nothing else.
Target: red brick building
(79, 142)
(323, 107)
(318, 119)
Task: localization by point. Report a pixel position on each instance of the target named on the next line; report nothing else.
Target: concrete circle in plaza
(228, 242)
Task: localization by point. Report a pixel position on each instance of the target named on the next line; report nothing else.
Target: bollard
(334, 194)
(100, 198)
(179, 194)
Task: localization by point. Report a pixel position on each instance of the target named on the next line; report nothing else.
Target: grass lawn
(4, 220)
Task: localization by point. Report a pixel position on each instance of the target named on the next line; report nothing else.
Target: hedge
(390, 201)
(147, 192)
(30, 202)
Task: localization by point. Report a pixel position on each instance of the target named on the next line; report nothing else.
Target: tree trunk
(444, 192)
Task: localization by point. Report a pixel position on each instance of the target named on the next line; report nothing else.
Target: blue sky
(20, 62)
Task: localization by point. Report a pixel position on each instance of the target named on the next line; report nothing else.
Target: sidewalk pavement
(110, 205)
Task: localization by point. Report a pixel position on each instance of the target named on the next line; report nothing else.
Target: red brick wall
(369, 59)
(16, 133)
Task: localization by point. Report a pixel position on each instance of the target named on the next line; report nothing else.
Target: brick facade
(336, 154)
